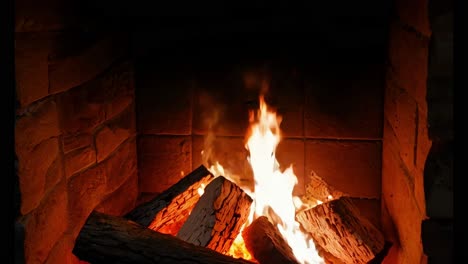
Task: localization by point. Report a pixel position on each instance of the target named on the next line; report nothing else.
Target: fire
(273, 188)
(238, 248)
(201, 189)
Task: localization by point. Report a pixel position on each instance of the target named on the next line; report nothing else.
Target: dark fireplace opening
(119, 101)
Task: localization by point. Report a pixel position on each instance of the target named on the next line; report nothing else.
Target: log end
(339, 228)
(265, 243)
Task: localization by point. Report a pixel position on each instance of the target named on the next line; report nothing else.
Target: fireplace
(114, 110)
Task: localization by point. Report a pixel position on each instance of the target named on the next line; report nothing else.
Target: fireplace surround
(115, 109)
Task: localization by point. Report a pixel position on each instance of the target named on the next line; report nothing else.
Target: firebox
(312, 133)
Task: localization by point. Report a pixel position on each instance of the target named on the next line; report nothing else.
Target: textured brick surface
(83, 108)
(36, 147)
(62, 252)
(120, 88)
(75, 141)
(85, 191)
(54, 173)
(164, 101)
(162, 161)
(415, 14)
(76, 69)
(113, 133)
(45, 225)
(408, 56)
(344, 102)
(398, 193)
(350, 167)
(79, 159)
(121, 165)
(36, 124)
(122, 200)
(33, 170)
(402, 115)
(31, 66)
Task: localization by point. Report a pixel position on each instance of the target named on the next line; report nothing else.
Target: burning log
(168, 211)
(319, 190)
(266, 244)
(339, 229)
(111, 239)
(217, 217)
(327, 257)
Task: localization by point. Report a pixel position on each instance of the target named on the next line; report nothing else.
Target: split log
(167, 212)
(218, 216)
(112, 239)
(339, 229)
(327, 257)
(319, 190)
(265, 243)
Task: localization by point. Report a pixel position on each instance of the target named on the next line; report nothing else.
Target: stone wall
(406, 141)
(75, 133)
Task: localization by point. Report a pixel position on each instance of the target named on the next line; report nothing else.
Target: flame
(201, 189)
(272, 196)
(273, 189)
(238, 248)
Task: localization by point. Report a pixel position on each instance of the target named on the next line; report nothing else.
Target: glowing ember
(201, 189)
(273, 189)
(238, 249)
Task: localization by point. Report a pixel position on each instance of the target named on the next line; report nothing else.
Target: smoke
(211, 113)
(234, 165)
(257, 81)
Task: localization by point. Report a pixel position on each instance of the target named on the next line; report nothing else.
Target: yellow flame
(238, 248)
(201, 189)
(272, 196)
(273, 189)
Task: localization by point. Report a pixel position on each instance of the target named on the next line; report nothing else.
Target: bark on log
(338, 228)
(265, 243)
(112, 239)
(167, 212)
(218, 216)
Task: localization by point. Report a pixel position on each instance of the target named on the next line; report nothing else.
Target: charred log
(339, 229)
(217, 217)
(265, 243)
(111, 239)
(168, 211)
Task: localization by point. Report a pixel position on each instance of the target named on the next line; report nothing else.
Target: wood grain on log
(167, 212)
(265, 243)
(327, 257)
(112, 239)
(339, 229)
(319, 190)
(218, 216)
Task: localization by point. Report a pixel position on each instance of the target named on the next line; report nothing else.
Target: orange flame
(273, 189)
